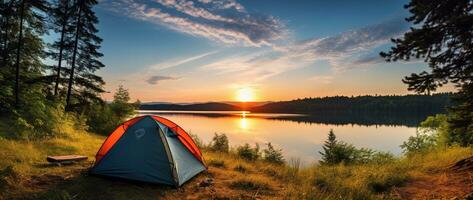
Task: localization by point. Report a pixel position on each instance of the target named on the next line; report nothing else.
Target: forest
(44, 85)
(435, 103)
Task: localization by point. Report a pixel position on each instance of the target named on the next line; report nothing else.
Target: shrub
(249, 153)
(433, 132)
(421, 142)
(47, 120)
(272, 155)
(335, 152)
(104, 118)
(219, 143)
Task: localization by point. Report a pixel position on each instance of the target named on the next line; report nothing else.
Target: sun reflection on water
(243, 121)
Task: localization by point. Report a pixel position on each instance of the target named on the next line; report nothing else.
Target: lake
(299, 136)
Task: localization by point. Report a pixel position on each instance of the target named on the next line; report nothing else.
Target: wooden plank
(66, 158)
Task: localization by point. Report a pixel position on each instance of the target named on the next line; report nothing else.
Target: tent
(149, 149)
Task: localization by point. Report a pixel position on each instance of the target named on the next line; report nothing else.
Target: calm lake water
(299, 136)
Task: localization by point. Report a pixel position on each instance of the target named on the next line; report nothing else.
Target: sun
(245, 94)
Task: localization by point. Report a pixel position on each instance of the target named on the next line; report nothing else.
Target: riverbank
(26, 174)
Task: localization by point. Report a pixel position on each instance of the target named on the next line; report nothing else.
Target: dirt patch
(455, 182)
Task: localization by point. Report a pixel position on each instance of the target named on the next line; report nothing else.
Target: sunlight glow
(245, 94)
(243, 123)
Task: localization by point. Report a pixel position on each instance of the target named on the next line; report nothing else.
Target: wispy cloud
(343, 51)
(350, 45)
(180, 61)
(225, 21)
(153, 80)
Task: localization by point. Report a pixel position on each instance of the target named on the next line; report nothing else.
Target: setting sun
(245, 94)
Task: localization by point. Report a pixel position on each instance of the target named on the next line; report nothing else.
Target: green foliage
(442, 38)
(44, 120)
(249, 153)
(432, 133)
(362, 104)
(461, 117)
(121, 95)
(421, 142)
(219, 143)
(272, 155)
(336, 152)
(84, 86)
(104, 118)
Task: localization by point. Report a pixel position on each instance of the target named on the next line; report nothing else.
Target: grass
(371, 181)
(24, 173)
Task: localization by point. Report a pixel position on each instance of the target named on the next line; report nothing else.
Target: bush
(335, 152)
(219, 143)
(272, 155)
(249, 153)
(421, 142)
(104, 118)
(433, 132)
(47, 120)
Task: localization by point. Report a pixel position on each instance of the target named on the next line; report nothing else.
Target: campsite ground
(25, 174)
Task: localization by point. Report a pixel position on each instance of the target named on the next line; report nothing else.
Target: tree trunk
(18, 51)
(61, 47)
(71, 77)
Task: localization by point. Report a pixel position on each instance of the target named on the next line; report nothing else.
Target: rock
(206, 182)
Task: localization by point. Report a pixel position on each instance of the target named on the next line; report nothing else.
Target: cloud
(368, 60)
(349, 49)
(225, 21)
(153, 80)
(342, 51)
(180, 61)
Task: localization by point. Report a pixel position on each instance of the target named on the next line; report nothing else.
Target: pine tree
(21, 49)
(84, 86)
(329, 148)
(61, 23)
(273, 155)
(121, 95)
(443, 38)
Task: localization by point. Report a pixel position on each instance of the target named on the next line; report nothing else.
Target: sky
(251, 50)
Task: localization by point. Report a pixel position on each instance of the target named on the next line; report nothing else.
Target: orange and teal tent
(150, 149)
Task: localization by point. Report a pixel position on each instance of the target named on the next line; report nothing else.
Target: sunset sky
(254, 50)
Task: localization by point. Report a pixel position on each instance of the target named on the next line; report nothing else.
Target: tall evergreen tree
(61, 23)
(84, 86)
(22, 47)
(443, 38)
(329, 148)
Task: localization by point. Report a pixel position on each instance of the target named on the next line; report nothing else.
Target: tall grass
(370, 181)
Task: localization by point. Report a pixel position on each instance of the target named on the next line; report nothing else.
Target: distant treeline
(211, 106)
(435, 103)
(421, 104)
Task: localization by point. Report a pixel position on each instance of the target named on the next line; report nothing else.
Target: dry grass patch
(252, 183)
